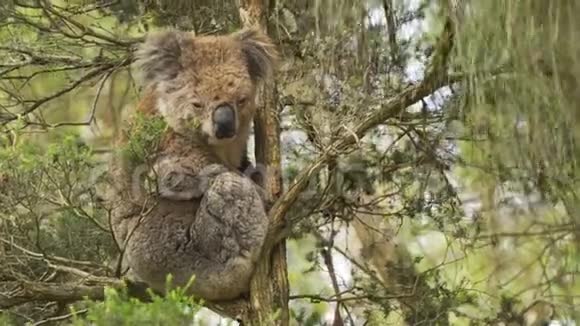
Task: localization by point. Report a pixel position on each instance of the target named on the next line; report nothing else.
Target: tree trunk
(269, 287)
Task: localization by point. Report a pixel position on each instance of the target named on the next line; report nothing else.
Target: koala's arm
(185, 178)
(183, 168)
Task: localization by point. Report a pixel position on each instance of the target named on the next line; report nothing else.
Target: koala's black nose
(224, 121)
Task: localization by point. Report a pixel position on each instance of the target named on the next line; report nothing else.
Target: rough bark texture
(269, 288)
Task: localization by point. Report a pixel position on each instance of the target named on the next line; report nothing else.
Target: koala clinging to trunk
(205, 218)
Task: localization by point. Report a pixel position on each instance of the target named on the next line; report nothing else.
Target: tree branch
(104, 69)
(436, 77)
(60, 318)
(25, 291)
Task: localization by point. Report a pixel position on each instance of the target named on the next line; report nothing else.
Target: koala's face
(206, 86)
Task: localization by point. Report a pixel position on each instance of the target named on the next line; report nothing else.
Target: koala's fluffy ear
(259, 51)
(159, 57)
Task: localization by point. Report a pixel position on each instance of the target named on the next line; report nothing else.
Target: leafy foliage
(460, 209)
(175, 308)
(144, 135)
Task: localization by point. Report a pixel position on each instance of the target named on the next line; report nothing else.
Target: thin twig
(60, 318)
(58, 259)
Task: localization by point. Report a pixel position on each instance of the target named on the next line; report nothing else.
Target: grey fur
(205, 218)
(259, 54)
(211, 223)
(158, 58)
(220, 244)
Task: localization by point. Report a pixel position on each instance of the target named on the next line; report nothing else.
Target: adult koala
(205, 218)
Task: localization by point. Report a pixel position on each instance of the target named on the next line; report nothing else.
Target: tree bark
(269, 287)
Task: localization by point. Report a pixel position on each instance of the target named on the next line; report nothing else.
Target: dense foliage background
(459, 208)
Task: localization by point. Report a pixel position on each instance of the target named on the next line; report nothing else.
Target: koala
(205, 218)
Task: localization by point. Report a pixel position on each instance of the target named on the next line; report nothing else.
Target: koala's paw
(177, 182)
(258, 177)
(177, 185)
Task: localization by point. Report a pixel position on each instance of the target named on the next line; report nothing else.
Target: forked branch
(436, 78)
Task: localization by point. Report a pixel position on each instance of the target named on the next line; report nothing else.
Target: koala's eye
(197, 104)
(242, 101)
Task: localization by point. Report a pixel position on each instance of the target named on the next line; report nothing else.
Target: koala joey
(208, 219)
